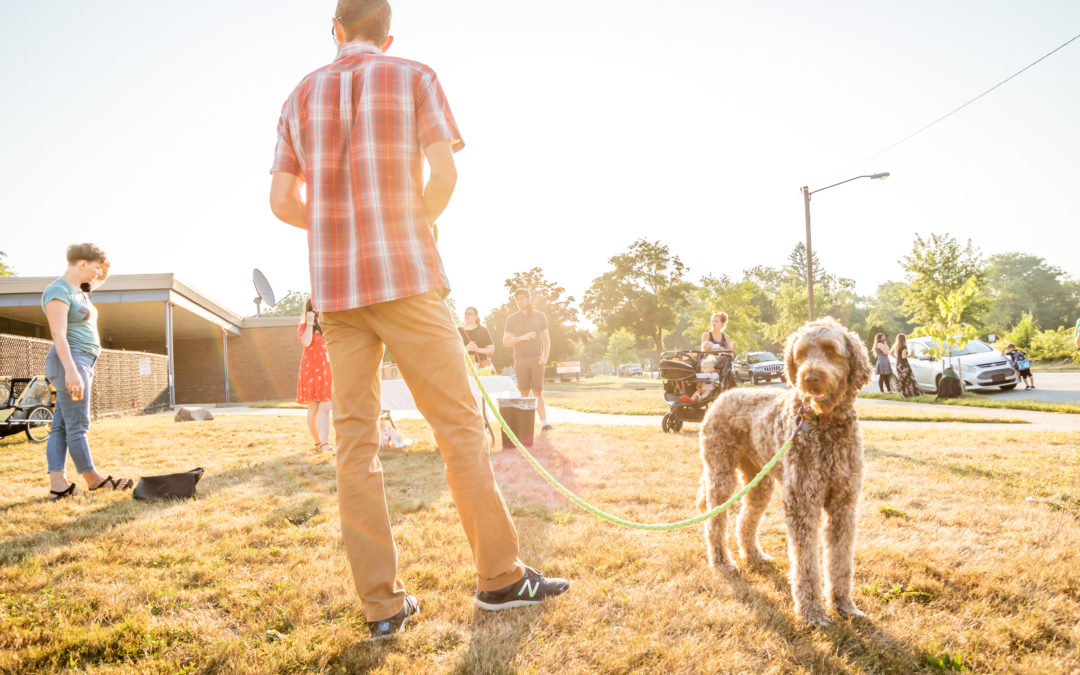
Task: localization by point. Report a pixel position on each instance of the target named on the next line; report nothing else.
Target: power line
(956, 110)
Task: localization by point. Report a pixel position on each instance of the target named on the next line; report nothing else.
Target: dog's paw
(848, 610)
(757, 557)
(815, 616)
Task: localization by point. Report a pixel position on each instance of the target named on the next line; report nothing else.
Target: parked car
(631, 370)
(977, 363)
(757, 367)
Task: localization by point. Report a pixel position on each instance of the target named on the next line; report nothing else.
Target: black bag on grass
(168, 486)
(949, 386)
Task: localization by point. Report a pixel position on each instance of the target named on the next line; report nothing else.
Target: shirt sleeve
(55, 293)
(434, 121)
(285, 158)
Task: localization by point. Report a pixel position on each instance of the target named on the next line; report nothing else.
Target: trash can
(520, 416)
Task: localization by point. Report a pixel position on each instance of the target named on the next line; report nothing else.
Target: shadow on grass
(856, 644)
(957, 469)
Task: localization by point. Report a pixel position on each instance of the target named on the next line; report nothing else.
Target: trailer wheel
(38, 423)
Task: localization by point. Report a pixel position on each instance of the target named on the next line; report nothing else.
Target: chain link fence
(125, 383)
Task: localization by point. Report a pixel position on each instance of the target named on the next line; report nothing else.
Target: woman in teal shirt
(69, 367)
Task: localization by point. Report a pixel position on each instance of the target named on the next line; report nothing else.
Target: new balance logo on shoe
(531, 589)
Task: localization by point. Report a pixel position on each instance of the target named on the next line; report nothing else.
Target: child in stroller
(687, 391)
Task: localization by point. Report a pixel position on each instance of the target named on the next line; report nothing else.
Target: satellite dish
(263, 290)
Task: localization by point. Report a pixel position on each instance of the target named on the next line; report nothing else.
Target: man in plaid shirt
(355, 133)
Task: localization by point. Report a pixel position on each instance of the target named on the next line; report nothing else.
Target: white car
(977, 363)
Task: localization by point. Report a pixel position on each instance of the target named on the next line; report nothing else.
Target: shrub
(1053, 345)
(1022, 332)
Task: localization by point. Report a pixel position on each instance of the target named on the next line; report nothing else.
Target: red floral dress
(313, 383)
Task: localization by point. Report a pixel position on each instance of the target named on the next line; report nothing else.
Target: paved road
(1062, 386)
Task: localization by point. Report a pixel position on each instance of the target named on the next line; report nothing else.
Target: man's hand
(531, 335)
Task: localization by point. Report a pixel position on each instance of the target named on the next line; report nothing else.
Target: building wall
(199, 376)
(263, 363)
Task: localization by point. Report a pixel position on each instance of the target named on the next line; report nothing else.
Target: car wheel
(1008, 387)
(753, 379)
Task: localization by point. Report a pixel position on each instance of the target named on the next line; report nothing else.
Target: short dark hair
(87, 251)
(519, 291)
(364, 19)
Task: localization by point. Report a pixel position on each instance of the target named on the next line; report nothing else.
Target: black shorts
(1026, 372)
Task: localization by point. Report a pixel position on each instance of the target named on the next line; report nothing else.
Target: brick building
(212, 354)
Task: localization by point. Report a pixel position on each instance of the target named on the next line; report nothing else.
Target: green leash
(716, 510)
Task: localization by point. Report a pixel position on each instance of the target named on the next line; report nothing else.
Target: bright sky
(149, 128)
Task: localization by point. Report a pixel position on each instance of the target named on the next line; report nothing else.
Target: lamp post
(810, 251)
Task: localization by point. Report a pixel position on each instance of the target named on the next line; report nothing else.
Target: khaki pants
(429, 353)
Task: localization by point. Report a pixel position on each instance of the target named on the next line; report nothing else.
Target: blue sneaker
(388, 628)
(532, 589)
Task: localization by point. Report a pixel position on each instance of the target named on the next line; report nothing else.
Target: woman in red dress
(313, 383)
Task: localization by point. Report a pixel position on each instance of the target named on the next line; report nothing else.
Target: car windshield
(761, 357)
(972, 347)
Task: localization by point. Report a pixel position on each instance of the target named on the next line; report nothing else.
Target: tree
(885, 315)
(736, 299)
(935, 268)
(1022, 333)
(1019, 283)
(547, 297)
(642, 293)
(291, 305)
(948, 330)
(621, 348)
(833, 296)
(5, 269)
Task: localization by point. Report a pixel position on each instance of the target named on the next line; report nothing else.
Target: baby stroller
(681, 372)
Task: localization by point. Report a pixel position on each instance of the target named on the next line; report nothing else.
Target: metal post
(809, 256)
(225, 360)
(169, 349)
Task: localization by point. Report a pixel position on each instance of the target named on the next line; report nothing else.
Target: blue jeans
(71, 419)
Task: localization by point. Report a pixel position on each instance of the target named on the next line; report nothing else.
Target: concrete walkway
(1037, 421)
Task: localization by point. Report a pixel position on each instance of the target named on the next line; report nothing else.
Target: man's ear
(386, 43)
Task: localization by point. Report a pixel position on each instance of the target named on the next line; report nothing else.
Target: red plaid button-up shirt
(354, 131)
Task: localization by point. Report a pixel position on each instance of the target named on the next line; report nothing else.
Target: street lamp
(809, 251)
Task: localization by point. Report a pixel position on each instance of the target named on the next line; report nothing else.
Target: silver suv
(980, 365)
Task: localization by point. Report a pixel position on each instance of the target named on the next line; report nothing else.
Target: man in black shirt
(527, 332)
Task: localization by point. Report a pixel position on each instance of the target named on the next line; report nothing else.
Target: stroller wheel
(676, 423)
(665, 424)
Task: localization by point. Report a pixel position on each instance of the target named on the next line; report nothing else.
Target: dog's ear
(860, 370)
(791, 369)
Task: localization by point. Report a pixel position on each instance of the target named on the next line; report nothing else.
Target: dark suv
(758, 367)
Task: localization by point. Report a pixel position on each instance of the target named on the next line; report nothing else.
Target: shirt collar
(354, 48)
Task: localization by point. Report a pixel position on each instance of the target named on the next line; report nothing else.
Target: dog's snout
(813, 377)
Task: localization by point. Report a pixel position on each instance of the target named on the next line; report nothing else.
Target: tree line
(646, 302)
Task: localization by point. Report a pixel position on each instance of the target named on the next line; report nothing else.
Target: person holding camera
(313, 383)
(69, 367)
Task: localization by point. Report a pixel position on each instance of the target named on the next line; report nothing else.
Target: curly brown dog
(822, 472)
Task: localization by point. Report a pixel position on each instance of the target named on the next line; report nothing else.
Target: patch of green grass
(979, 401)
(606, 383)
(887, 592)
(890, 512)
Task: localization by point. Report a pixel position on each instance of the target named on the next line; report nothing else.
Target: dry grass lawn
(955, 567)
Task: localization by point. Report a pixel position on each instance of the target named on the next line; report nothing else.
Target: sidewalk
(1038, 421)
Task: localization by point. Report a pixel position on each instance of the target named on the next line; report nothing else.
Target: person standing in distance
(354, 134)
(527, 332)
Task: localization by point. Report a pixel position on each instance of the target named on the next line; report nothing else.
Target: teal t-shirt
(82, 316)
